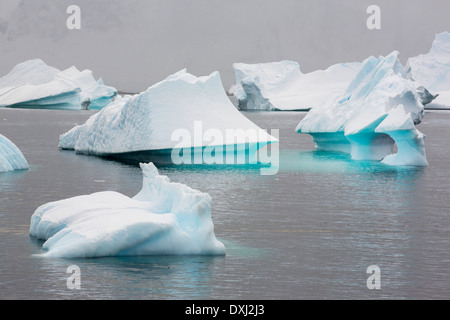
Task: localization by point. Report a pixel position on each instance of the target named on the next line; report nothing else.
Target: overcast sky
(133, 44)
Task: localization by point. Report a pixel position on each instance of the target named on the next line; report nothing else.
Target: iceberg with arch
(154, 120)
(432, 70)
(378, 111)
(164, 218)
(282, 86)
(11, 158)
(34, 84)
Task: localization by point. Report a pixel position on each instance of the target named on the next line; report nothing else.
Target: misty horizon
(134, 44)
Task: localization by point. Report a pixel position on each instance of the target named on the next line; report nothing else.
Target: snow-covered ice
(432, 70)
(34, 84)
(11, 158)
(147, 121)
(282, 86)
(164, 218)
(94, 93)
(379, 109)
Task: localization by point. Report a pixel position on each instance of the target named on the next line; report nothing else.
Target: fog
(133, 44)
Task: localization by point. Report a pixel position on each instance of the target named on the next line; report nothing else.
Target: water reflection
(140, 277)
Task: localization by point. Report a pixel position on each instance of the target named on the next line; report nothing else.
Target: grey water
(308, 232)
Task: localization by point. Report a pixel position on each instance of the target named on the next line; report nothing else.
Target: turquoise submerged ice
(11, 158)
(379, 109)
(432, 70)
(164, 218)
(147, 121)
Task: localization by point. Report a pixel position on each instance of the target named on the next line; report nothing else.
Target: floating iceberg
(432, 70)
(133, 125)
(94, 94)
(33, 84)
(164, 218)
(11, 158)
(379, 110)
(282, 86)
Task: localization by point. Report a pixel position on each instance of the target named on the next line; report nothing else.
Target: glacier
(282, 86)
(34, 84)
(11, 158)
(378, 111)
(135, 124)
(432, 70)
(164, 218)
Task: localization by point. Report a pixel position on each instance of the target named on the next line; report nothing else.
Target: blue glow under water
(309, 232)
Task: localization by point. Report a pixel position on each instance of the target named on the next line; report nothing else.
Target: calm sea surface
(309, 232)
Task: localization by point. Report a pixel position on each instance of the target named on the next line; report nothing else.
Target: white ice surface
(282, 86)
(11, 158)
(380, 107)
(164, 218)
(146, 121)
(95, 91)
(432, 70)
(35, 84)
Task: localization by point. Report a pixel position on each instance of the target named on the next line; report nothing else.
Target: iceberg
(11, 158)
(94, 94)
(378, 111)
(134, 125)
(164, 218)
(34, 84)
(282, 85)
(432, 71)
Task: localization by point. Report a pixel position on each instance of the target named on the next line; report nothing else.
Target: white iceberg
(164, 218)
(432, 70)
(148, 121)
(282, 86)
(379, 110)
(94, 94)
(11, 158)
(34, 84)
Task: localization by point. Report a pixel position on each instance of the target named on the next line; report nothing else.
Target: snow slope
(380, 108)
(432, 70)
(148, 121)
(11, 158)
(33, 84)
(282, 86)
(164, 218)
